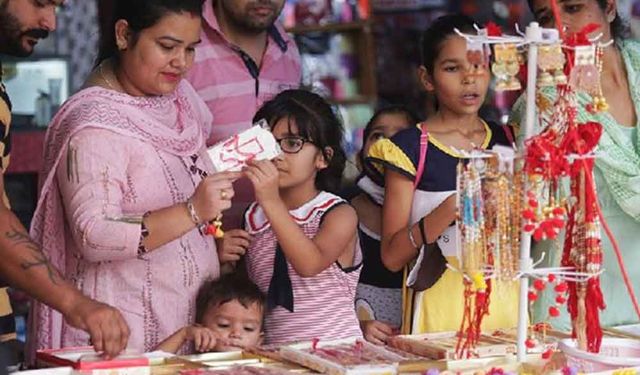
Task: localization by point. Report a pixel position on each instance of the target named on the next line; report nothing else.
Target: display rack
(533, 37)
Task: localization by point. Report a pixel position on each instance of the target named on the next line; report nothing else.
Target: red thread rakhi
(582, 247)
(475, 256)
(537, 333)
(577, 39)
(545, 163)
(547, 159)
(583, 252)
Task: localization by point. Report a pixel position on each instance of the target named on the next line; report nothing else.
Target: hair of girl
(140, 15)
(619, 28)
(435, 35)
(393, 109)
(316, 121)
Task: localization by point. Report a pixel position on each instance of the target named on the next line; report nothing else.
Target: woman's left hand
(264, 176)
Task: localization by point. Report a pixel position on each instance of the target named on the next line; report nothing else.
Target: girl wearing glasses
(304, 251)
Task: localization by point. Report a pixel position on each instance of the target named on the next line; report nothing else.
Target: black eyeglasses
(292, 144)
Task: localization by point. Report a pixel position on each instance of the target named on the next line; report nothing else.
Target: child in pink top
(304, 252)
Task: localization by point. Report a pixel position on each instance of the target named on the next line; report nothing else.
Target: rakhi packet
(255, 143)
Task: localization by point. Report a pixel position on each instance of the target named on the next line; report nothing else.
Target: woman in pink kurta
(127, 186)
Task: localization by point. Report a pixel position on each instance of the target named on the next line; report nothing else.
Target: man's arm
(23, 265)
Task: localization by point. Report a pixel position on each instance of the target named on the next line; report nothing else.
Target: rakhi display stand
(534, 37)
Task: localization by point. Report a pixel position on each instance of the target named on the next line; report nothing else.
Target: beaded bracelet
(192, 212)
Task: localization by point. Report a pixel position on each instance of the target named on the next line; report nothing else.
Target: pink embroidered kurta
(323, 304)
(116, 157)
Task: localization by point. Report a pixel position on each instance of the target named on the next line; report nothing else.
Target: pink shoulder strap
(424, 144)
(509, 134)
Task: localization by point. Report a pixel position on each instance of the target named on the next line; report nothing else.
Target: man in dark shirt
(22, 263)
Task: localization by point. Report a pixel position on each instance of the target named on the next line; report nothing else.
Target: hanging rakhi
(587, 66)
(584, 74)
(546, 160)
(506, 67)
(515, 217)
(599, 101)
(479, 53)
(551, 65)
(582, 247)
(477, 56)
(544, 210)
(214, 228)
(544, 221)
(502, 212)
(474, 256)
(536, 341)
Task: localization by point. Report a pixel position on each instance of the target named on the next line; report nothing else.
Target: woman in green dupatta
(617, 171)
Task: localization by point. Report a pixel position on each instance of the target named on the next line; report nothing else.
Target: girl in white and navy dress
(304, 251)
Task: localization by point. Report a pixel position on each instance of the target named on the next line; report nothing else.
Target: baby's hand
(376, 332)
(234, 245)
(204, 340)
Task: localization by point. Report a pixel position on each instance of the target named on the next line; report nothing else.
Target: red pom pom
(532, 296)
(210, 230)
(551, 278)
(529, 228)
(562, 287)
(538, 234)
(533, 203)
(549, 231)
(557, 223)
(547, 354)
(493, 29)
(539, 285)
(561, 300)
(530, 343)
(558, 211)
(529, 215)
(554, 312)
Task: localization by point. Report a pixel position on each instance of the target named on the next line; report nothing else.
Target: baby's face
(235, 326)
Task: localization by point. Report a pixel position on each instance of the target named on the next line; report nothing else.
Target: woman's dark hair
(140, 15)
(442, 28)
(619, 28)
(411, 117)
(317, 122)
(229, 287)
